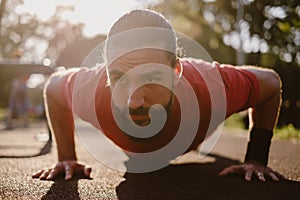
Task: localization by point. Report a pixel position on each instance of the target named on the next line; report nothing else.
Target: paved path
(20, 157)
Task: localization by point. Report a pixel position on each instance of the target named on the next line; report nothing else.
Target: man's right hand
(69, 168)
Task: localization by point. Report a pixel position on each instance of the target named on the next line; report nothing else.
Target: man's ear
(177, 71)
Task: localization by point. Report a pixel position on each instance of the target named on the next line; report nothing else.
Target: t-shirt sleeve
(80, 91)
(242, 88)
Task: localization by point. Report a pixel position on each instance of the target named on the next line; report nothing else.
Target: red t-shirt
(87, 93)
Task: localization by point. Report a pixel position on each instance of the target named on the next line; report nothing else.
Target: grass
(287, 132)
(284, 132)
(235, 121)
(2, 113)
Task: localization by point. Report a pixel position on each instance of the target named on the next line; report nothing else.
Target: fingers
(260, 176)
(84, 169)
(37, 174)
(281, 176)
(276, 176)
(248, 175)
(45, 174)
(229, 170)
(273, 176)
(53, 174)
(69, 168)
(69, 172)
(48, 174)
(251, 169)
(87, 171)
(224, 172)
(75, 167)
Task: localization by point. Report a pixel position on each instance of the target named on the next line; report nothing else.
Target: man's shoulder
(196, 63)
(194, 66)
(88, 72)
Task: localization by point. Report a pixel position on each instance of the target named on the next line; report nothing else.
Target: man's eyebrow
(146, 74)
(152, 73)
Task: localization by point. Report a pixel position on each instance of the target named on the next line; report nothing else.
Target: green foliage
(187, 17)
(287, 132)
(284, 132)
(235, 121)
(2, 114)
(253, 26)
(253, 32)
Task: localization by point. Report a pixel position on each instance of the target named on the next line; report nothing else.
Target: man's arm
(61, 122)
(263, 118)
(265, 113)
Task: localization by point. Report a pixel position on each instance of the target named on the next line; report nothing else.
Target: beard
(129, 119)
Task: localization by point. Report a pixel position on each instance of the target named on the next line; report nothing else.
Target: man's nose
(137, 99)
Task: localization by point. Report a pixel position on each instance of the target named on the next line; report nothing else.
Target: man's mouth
(141, 120)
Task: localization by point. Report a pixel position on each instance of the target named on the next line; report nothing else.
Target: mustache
(139, 111)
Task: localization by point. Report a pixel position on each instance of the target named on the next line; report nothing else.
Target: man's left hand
(251, 168)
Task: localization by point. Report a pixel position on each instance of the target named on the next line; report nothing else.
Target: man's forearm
(263, 119)
(62, 125)
(265, 115)
(60, 117)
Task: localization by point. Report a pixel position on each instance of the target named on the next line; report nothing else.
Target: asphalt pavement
(23, 151)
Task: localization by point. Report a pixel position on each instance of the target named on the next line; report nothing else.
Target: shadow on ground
(200, 181)
(44, 150)
(62, 189)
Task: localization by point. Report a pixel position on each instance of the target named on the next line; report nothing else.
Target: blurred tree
(257, 32)
(190, 18)
(276, 22)
(266, 30)
(2, 7)
(35, 38)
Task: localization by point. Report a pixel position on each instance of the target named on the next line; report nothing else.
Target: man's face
(139, 80)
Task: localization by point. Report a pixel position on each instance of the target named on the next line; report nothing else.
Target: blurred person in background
(18, 105)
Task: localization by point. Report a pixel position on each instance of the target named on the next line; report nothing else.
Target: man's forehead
(142, 56)
(145, 69)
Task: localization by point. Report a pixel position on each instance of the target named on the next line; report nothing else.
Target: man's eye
(120, 79)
